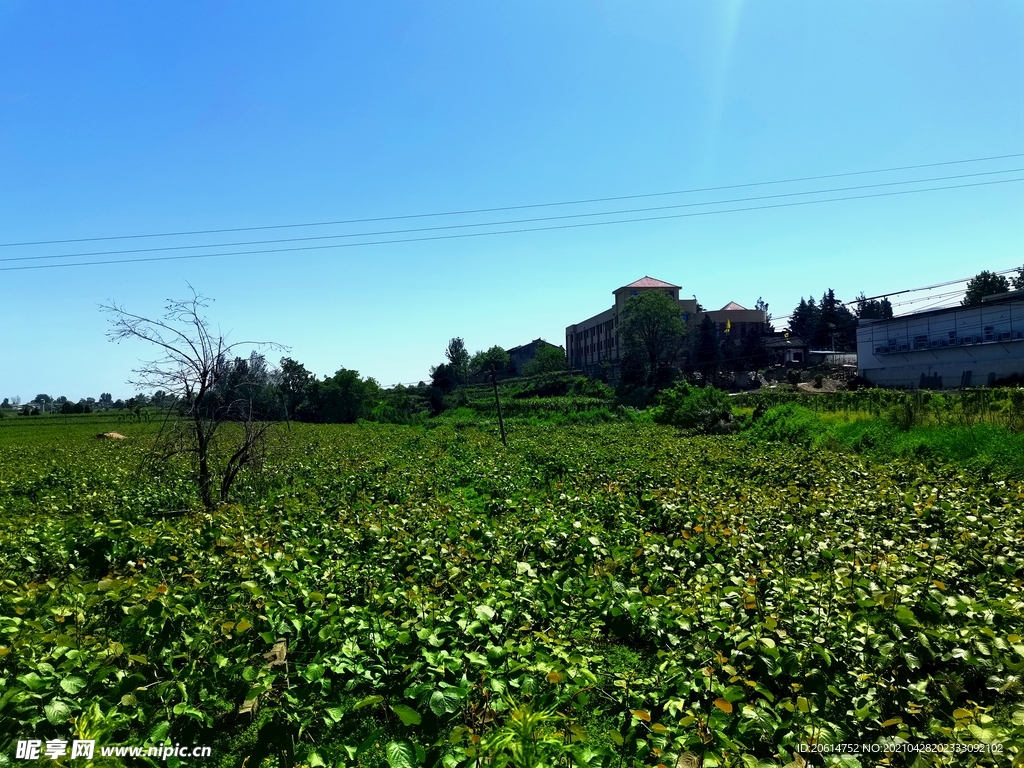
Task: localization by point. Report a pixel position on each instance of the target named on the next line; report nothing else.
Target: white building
(945, 348)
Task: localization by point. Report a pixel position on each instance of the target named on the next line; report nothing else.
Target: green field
(605, 595)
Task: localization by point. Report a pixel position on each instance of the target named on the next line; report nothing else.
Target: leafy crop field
(611, 595)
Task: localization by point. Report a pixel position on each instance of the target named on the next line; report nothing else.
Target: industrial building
(945, 348)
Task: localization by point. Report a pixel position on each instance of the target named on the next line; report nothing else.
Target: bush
(706, 410)
(818, 379)
(789, 423)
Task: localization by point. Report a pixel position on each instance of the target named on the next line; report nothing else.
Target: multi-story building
(595, 344)
(945, 348)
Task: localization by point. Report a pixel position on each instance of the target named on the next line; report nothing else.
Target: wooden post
(497, 400)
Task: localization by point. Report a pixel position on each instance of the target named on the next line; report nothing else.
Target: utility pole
(497, 400)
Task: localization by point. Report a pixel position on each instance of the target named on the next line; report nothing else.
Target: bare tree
(220, 418)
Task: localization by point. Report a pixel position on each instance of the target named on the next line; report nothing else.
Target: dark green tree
(548, 359)
(443, 378)
(874, 309)
(652, 330)
(1018, 279)
(707, 352)
(836, 327)
(753, 350)
(983, 284)
(458, 359)
(762, 305)
(294, 383)
(632, 371)
(495, 358)
(343, 398)
(804, 320)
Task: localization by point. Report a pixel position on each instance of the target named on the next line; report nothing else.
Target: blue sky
(122, 118)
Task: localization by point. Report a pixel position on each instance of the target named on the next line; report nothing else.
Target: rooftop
(732, 306)
(648, 282)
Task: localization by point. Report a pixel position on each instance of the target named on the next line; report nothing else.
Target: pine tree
(804, 320)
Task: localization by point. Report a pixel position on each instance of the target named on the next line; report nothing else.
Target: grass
(983, 446)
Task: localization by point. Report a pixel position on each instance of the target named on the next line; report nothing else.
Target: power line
(506, 222)
(912, 290)
(927, 287)
(511, 231)
(930, 297)
(516, 207)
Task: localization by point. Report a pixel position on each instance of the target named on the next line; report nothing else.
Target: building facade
(595, 346)
(945, 348)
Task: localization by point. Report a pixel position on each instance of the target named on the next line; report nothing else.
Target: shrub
(818, 379)
(706, 410)
(789, 423)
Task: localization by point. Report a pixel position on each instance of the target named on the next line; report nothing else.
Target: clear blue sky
(120, 118)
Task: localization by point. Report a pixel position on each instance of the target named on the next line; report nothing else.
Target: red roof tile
(649, 282)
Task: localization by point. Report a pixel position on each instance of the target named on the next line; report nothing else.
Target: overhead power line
(511, 231)
(495, 209)
(506, 222)
(913, 290)
(928, 287)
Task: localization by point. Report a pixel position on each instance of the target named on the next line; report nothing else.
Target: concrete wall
(944, 349)
(595, 339)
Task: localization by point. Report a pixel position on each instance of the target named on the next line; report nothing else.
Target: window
(634, 293)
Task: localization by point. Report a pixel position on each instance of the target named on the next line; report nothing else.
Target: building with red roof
(595, 347)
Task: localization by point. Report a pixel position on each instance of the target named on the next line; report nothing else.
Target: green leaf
(408, 715)
(32, 681)
(313, 672)
(369, 701)
(733, 693)
(72, 684)
(445, 702)
(181, 708)
(252, 588)
(984, 735)
(57, 711)
(335, 713)
(484, 612)
(159, 732)
(255, 692)
(369, 741)
(400, 754)
(314, 760)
